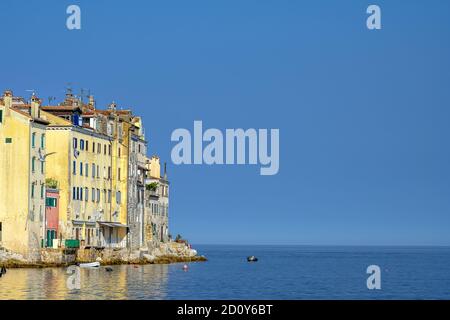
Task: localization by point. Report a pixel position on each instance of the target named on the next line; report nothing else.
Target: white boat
(90, 265)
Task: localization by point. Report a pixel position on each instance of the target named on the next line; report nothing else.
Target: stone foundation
(170, 252)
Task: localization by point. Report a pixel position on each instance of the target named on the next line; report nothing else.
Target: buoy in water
(185, 267)
(252, 259)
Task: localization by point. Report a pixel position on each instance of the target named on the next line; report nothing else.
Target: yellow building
(22, 175)
(90, 161)
(97, 161)
(82, 161)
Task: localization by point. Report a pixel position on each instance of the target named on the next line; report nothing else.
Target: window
(42, 167)
(1, 120)
(33, 139)
(93, 147)
(81, 144)
(139, 148)
(32, 190)
(8, 140)
(98, 195)
(104, 149)
(86, 194)
(74, 193)
(33, 164)
(93, 195)
(119, 152)
(109, 173)
(118, 174)
(98, 172)
(51, 202)
(99, 148)
(109, 196)
(87, 145)
(74, 168)
(81, 168)
(43, 141)
(104, 195)
(81, 194)
(118, 197)
(109, 150)
(75, 143)
(93, 170)
(42, 190)
(87, 170)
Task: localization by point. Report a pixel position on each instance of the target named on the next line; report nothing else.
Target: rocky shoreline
(164, 253)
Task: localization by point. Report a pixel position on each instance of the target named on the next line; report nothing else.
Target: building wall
(80, 208)
(22, 186)
(156, 206)
(136, 180)
(35, 223)
(14, 180)
(58, 168)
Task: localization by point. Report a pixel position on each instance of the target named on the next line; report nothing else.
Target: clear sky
(363, 115)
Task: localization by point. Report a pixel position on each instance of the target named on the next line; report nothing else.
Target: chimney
(7, 100)
(112, 106)
(91, 102)
(165, 170)
(35, 107)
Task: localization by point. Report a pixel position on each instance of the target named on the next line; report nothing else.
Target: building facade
(22, 175)
(72, 175)
(156, 204)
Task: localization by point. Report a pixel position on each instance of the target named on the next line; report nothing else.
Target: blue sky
(363, 115)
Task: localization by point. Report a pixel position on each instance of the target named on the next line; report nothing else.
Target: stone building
(156, 204)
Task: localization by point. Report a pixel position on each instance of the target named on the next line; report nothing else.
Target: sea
(281, 272)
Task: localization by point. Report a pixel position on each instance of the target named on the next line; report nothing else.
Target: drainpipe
(29, 185)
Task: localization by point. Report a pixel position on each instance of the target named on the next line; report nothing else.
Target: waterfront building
(80, 175)
(156, 204)
(22, 175)
(136, 184)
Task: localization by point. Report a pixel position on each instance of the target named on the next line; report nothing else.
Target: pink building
(51, 216)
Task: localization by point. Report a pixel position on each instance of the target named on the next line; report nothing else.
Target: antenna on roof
(82, 94)
(33, 93)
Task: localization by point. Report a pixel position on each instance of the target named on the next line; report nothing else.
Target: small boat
(90, 265)
(252, 259)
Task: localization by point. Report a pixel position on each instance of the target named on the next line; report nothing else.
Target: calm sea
(282, 272)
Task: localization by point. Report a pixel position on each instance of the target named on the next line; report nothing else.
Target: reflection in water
(124, 282)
